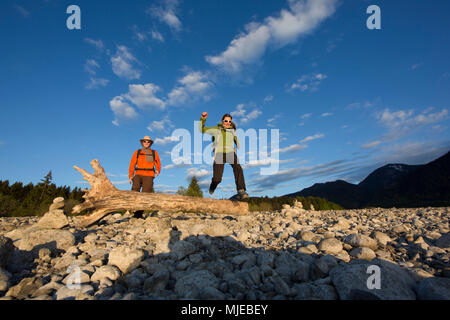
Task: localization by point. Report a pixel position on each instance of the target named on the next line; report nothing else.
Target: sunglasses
(146, 141)
(226, 120)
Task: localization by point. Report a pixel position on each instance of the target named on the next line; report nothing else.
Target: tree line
(266, 203)
(18, 199)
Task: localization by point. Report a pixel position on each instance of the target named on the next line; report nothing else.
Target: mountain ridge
(394, 184)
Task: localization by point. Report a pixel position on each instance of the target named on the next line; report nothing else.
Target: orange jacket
(142, 163)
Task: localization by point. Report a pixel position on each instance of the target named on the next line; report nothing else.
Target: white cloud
(314, 137)
(166, 140)
(122, 110)
(291, 148)
(96, 43)
(162, 125)
(371, 144)
(402, 122)
(91, 66)
(249, 46)
(122, 64)
(308, 82)
(415, 66)
(194, 86)
(157, 36)
(268, 99)
(144, 96)
(271, 120)
(242, 116)
(265, 162)
(326, 114)
(95, 83)
(24, 12)
(167, 13)
(306, 116)
(198, 173)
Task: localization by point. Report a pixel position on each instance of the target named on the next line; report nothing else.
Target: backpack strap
(137, 158)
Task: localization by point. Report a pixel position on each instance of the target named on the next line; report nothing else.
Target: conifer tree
(194, 189)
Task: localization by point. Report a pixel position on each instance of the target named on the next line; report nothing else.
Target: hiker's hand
(157, 172)
(131, 180)
(204, 115)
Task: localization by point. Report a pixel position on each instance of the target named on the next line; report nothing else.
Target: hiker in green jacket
(224, 138)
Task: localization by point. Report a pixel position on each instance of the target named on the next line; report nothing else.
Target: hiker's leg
(238, 174)
(217, 172)
(137, 182)
(147, 184)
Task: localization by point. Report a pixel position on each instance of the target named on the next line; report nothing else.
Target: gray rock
(323, 265)
(433, 289)
(330, 245)
(66, 293)
(358, 240)
(106, 272)
(363, 253)
(280, 285)
(25, 288)
(35, 239)
(157, 282)
(125, 258)
(6, 248)
(396, 283)
(308, 291)
(58, 200)
(5, 277)
(195, 281)
(381, 237)
(182, 249)
(77, 277)
(290, 268)
(56, 206)
(444, 241)
(54, 219)
(211, 293)
(47, 289)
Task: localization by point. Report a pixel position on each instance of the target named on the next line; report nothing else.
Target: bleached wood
(104, 198)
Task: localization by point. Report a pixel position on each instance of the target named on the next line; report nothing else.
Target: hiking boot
(211, 191)
(242, 194)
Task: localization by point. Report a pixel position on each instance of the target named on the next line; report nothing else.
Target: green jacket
(224, 139)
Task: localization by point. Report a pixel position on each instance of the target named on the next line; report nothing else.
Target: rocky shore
(289, 254)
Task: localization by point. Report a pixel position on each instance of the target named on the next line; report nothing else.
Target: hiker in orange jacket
(144, 164)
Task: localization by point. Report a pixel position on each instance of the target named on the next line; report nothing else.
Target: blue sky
(345, 99)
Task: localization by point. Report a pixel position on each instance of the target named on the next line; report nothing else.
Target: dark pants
(218, 166)
(147, 186)
(142, 181)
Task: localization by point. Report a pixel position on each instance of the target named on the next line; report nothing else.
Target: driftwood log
(104, 198)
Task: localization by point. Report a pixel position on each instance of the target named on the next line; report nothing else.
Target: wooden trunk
(104, 198)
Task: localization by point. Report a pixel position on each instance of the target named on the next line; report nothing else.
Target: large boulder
(125, 258)
(359, 240)
(350, 278)
(330, 245)
(54, 219)
(33, 239)
(106, 272)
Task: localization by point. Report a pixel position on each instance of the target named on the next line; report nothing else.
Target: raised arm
(203, 129)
